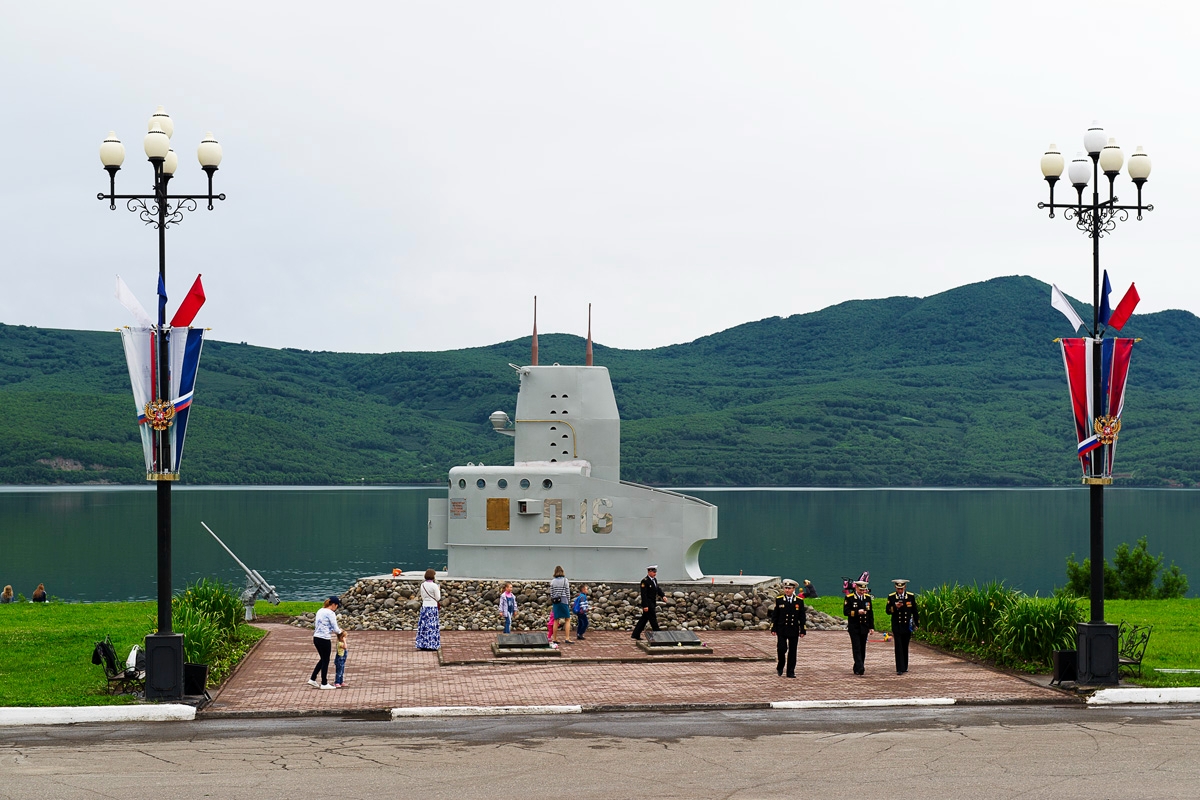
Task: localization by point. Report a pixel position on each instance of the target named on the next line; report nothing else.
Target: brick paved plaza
(385, 671)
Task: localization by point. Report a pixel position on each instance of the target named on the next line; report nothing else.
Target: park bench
(1131, 646)
(121, 679)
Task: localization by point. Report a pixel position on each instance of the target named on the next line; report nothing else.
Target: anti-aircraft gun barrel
(255, 584)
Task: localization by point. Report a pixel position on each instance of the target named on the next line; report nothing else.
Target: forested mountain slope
(961, 388)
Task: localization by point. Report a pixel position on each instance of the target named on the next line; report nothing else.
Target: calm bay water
(98, 543)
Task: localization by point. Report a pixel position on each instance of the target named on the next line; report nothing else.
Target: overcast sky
(406, 176)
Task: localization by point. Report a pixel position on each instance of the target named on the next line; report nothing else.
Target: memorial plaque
(519, 640)
(672, 639)
(523, 645)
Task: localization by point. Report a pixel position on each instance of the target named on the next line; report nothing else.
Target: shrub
(935, 609)
(208, 614)
(1136, 570)
(999, 624)
(1173, 584)
(1132, 578)
(213, 599)
(978, 609)
(1079, 579)
(965, 613)
(1032, 628)
(202, 636)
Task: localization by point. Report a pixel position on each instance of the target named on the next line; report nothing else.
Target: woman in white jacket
(325, 627)
(429, 637)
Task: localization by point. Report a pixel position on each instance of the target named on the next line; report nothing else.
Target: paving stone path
(385, 671)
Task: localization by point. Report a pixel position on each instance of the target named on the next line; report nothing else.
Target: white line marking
(898, 701)
(481, 711)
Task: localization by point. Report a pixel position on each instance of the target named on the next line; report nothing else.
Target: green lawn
(46, 648)
(1174, 642)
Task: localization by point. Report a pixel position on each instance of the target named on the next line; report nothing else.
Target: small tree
(1079, 578)
(1132, 578)
(1174, 583)
(1136, 570)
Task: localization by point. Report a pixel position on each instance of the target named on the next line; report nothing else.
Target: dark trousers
(324, 648)
(785, 646)
(581, 628)
(858, 641)
(901, 637)
(650, 616)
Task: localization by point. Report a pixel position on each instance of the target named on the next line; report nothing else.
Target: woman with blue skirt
(429, 637)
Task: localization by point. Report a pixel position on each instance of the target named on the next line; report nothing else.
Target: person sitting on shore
(7, 595)
(39, 594)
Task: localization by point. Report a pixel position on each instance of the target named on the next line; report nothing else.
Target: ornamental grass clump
(999, 624)
(202, 636)
(209, 615)
(216, 601)
(1032, 628)
(977, 609)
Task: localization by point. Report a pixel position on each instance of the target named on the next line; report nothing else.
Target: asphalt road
(979, 752)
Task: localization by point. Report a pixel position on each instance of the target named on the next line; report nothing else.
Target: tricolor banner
(185, 344)
(141, 356)
(1097, 420)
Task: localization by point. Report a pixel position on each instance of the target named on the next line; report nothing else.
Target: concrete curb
(12, 716)
(897, 701)
(481, 711)
(1112, 697)
(71, 715)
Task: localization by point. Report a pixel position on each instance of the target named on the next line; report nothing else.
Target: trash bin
(1065, 664)
(195, 679)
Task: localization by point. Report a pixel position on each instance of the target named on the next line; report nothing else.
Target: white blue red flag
(185, 344)
(1105, 308)
(1096, 454)
(141, 356)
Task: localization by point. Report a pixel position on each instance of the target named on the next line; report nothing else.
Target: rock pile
(391, 604)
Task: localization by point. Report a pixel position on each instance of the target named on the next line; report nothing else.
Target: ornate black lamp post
(164, 650)
(1097, 643)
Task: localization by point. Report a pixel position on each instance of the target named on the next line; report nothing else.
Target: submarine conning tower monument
(562, 502)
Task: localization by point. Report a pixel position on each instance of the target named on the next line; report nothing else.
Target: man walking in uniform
(902, 608)
(787, 623)
(650, 596)
(860, 621)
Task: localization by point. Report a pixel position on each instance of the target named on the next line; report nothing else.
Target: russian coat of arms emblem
(161, 413)
(1107, 428)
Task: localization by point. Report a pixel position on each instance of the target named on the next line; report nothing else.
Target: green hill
(964, 388)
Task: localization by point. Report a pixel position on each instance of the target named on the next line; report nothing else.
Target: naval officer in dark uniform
(902, 608)
(651, 594)
(787, 623)
(860, 621)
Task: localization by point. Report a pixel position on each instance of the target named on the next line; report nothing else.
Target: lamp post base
(1097, 646)
(164, 666)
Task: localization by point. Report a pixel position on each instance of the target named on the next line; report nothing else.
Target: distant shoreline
(150, 487)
